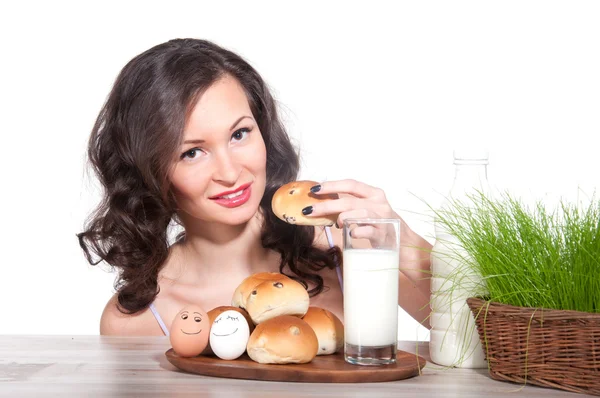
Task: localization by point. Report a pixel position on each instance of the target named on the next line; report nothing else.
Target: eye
(240, 134)
(254, 292)
(192, 153)
(278, 285)
(184, 316)
(197, 319)
(231, 317)
(292, 192)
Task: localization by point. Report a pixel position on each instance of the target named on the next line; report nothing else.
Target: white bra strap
(159, 319)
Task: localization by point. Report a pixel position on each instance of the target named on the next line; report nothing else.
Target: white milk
(454, 340)
(371, 297)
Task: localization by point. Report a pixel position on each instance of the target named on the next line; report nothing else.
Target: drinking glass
(371, 256)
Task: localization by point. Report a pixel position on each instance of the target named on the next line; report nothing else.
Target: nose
(227, 170)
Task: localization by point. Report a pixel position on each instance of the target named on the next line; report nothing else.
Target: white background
(377, 91)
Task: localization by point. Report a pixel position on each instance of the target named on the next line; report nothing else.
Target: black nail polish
(316, 188)
(307, 210)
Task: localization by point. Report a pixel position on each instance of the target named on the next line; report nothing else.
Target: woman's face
(220, 174)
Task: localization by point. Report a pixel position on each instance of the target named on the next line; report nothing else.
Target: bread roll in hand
(289, 200)
(283, 339)
(328, 328)
(266, 295)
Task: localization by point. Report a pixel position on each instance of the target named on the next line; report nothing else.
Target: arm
(115, 323)
(358, 200)
(414, 276)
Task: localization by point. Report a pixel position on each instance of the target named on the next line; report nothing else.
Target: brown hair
(132, 144)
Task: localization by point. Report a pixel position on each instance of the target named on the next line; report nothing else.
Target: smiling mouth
(190, 333)
(222, 335)
(234, 194)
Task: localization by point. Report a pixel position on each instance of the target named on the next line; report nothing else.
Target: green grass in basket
(530, 256)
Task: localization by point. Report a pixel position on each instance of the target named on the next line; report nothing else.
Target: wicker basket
(549, 348)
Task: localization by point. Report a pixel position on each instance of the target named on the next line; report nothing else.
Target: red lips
(235, 201)
(232, 191)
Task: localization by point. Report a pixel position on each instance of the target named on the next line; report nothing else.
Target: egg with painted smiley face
(229, 334)
(189, 331)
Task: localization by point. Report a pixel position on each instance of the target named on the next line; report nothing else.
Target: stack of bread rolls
(286, 330)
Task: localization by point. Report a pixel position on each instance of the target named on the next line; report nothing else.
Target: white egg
(229, 335)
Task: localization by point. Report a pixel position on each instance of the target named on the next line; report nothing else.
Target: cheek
(259, 160)
(189, 183)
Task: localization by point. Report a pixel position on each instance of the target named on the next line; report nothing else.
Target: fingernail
(316, 188)
(337, 225)
(307, 210)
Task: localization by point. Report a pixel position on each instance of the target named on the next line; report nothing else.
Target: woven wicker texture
(549, 348)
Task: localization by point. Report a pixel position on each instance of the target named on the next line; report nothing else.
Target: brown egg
(190, 331)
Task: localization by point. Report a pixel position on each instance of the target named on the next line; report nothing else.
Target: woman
(190, 134)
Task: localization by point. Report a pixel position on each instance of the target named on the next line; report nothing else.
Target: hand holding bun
(269, 294)
(328, 328)
(283, 339)
(289, 200)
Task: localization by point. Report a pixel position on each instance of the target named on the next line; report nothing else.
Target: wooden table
(97, 366)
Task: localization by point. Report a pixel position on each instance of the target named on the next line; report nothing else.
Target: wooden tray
(322, 369)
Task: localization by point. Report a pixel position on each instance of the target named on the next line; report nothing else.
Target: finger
(357, 213)
(334, 206)
(352, 187)
(378, 235)
(365, 232)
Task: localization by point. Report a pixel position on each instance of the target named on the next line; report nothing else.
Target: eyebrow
(231, 128)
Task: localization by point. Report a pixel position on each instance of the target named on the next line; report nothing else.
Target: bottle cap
(471, 155)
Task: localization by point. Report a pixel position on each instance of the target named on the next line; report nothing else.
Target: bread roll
(267, 295)
(283, 339)
(328, 328)
(243, 290)
(215, 312)
(289, 200)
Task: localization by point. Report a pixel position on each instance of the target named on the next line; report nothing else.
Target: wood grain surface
(322, 369)
(101, 366)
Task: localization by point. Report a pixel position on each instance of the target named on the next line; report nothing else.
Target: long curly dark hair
(131, 149)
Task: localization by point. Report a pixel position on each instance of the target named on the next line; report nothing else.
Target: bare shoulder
(115, 323)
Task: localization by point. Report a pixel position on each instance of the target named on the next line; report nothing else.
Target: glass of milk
(371, 256)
